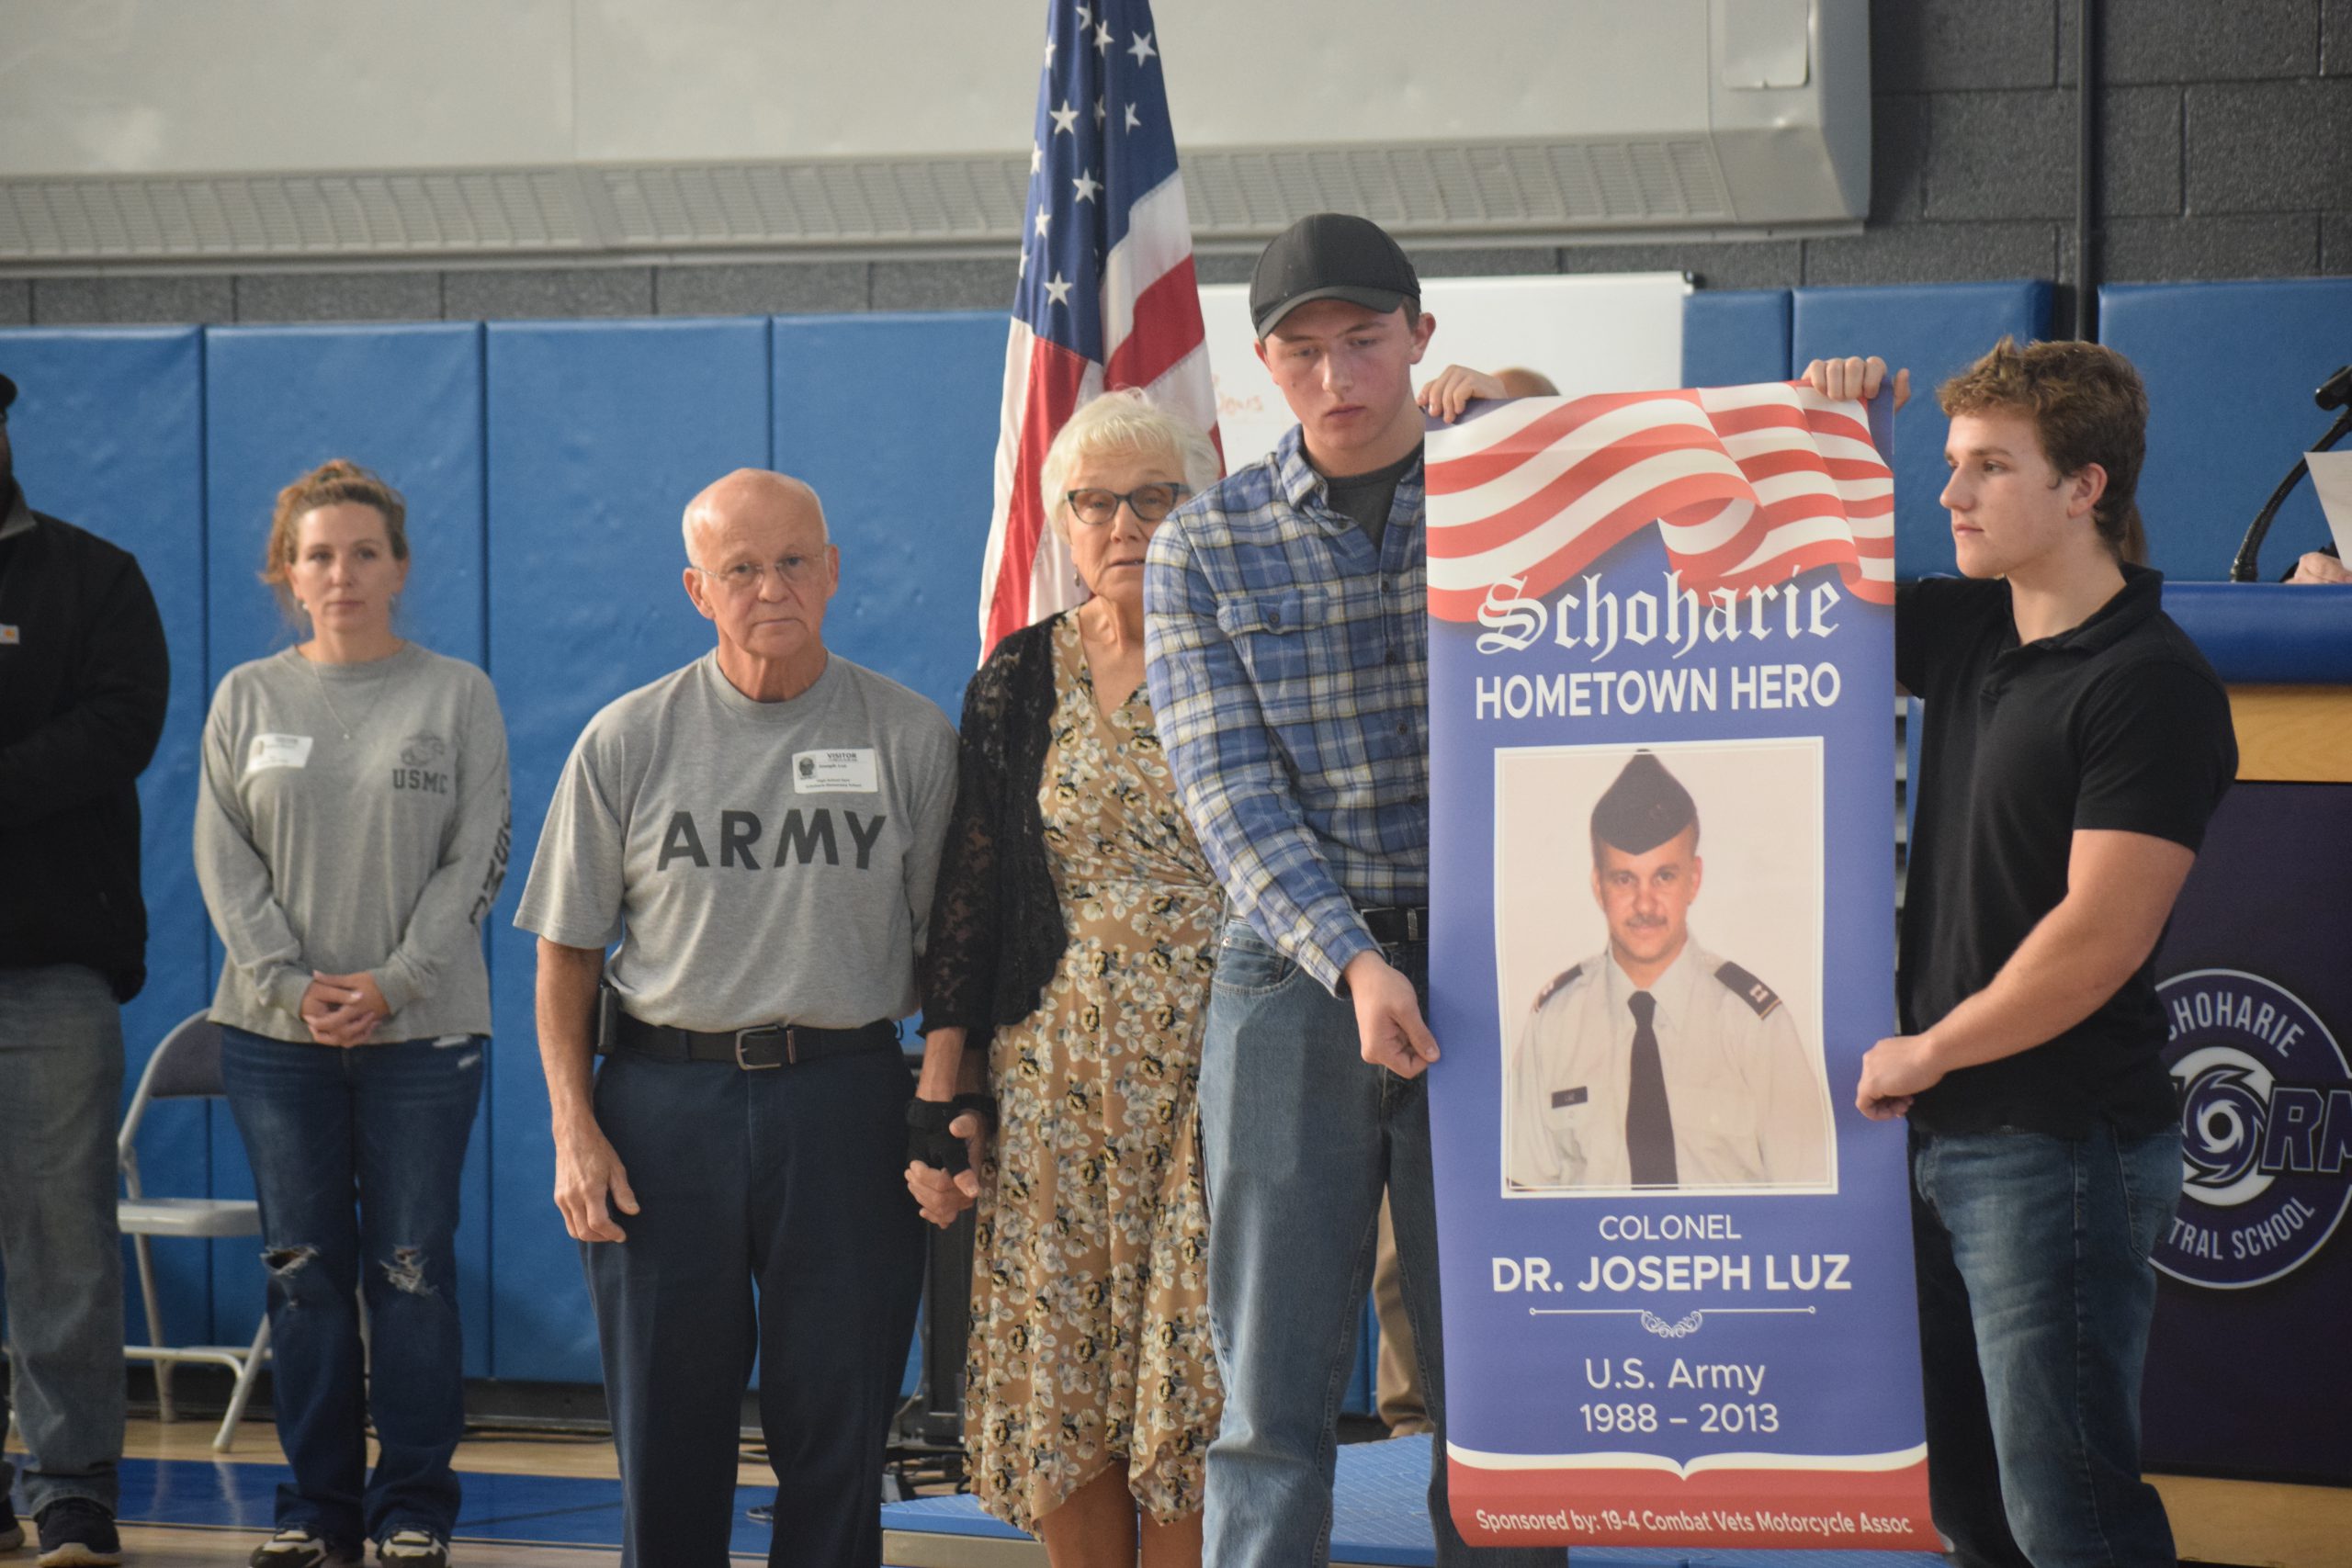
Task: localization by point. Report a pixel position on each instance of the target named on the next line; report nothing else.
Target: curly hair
(2086, 405)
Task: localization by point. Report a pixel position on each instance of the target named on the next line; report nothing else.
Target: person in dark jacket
(84, 674)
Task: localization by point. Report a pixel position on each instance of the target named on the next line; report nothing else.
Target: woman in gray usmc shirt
(351, 833)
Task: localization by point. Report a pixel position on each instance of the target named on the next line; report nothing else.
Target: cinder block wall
(2226, 152)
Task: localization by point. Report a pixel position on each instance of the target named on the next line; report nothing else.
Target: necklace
(375, 689)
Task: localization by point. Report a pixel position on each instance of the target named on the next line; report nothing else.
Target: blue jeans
(2035, 1296)
(792, 1181)
(385, 1125)
(60, 1083)
(1301, 1135)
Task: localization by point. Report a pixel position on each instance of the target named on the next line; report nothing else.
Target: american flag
(1747, 485)
(1107, 296)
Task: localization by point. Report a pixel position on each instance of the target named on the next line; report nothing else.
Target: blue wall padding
(1735, 337)
(109, 433)
(1935, 330)
(2230, 369)
(599, 435)
(893, 419)
(405, 402)
(2269, 633)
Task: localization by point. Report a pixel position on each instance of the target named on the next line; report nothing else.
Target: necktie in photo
(1649, 1125)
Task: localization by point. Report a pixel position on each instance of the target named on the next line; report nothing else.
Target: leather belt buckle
(762, 1033)
(1392, 925)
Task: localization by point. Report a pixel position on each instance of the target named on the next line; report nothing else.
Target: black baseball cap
(1330, 255)
(7, 394)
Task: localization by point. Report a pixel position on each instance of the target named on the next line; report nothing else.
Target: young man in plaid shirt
(1286, 634)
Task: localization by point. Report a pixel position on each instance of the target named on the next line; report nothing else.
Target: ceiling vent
(1608, 115)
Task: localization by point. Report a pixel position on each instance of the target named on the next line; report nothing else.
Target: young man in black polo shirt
(2075, 743)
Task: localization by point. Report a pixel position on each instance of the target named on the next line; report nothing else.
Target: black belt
(762, 1046)
(1392, 923)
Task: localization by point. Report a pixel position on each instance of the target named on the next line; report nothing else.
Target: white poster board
(1613, 333)
(2331, 476)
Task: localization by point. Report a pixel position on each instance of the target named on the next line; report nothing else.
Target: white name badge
(845, 771)
(278, 751)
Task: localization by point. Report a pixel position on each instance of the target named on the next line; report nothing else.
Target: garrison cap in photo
(1330, 255)
(1644, 809)
(7, 392)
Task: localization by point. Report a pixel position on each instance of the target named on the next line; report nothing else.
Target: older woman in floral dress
(1070, 944)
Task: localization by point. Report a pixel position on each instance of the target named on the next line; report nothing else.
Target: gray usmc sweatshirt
(380, 853)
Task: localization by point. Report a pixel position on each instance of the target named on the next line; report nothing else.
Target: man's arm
(1239, 801)
(586, 1168)
(2120, 891)
(106, 738)
(947, 1069)
(1236, 792)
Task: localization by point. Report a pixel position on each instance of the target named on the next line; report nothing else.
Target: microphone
(2335, 392)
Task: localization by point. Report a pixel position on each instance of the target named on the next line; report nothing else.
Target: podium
(2247, 1381)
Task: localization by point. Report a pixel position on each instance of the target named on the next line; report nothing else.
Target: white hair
(1123, 421)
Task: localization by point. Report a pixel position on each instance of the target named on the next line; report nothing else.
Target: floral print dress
(1090, 1302)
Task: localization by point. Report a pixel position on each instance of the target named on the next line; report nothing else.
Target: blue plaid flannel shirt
(1288, 661)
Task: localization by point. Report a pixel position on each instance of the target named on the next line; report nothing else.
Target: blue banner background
(1842, 1380)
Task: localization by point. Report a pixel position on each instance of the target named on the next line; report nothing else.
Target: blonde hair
(1123, 421)
(338, 482)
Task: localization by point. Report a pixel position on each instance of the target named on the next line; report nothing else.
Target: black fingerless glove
(928, 1140)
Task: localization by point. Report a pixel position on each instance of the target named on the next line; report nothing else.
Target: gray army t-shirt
(380, 851)
(758, 862)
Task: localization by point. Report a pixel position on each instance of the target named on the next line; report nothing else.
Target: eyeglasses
(746, 576)
(1095, 508)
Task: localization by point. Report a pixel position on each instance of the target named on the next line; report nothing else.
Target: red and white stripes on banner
(1748, 485)
(1152, 330)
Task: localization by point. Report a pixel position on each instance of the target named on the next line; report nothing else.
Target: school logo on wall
(2266, 1123)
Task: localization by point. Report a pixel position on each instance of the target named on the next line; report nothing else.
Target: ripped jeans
(356, 1156)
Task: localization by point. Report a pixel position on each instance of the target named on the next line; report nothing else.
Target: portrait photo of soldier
(1656, 1062)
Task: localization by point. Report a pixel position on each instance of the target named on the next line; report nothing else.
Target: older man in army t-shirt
(759, 832)
(1656, 1064)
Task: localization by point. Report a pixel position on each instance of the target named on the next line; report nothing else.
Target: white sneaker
(413, 1549)
(296, 1547)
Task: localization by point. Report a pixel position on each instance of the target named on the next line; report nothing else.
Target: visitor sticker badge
(278, 752)
(8, 637)
(841, 770)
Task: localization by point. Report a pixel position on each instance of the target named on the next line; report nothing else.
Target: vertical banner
(1676, 1261)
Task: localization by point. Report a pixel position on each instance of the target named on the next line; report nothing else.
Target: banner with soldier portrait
(1677, 1261)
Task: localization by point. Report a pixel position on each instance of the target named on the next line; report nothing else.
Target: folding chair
(187, 1066)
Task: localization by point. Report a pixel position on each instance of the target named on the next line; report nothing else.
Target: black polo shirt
(2119, 723)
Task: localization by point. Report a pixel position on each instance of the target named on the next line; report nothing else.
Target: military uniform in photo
(1743, 1106)
(1698, 1079)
